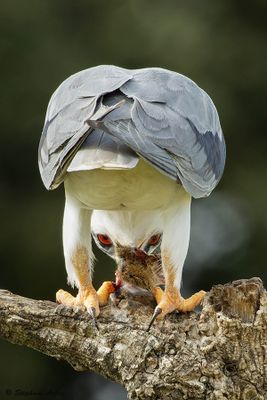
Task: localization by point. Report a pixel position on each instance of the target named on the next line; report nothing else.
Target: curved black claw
(92, 312)
(157, 311)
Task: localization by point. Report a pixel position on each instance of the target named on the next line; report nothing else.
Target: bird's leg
(78, 257)
(87, 296)
(171, 299)
(175, 242)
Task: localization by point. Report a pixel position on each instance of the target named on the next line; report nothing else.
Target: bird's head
(114, 230)
(131, 239)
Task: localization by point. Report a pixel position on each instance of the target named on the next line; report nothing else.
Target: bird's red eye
(104, 239)
(154, 240)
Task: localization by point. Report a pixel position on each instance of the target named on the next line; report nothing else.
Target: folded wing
(152, 113)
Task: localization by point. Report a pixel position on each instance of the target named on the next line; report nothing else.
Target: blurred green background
(218, 44)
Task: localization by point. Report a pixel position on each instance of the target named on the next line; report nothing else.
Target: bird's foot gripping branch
(217, 354)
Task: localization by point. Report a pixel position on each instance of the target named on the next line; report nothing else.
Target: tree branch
(218, 354)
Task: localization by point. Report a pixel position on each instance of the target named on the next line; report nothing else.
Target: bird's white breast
(138, 188)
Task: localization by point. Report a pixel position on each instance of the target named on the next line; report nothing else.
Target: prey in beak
(138, 274)
(138, 270)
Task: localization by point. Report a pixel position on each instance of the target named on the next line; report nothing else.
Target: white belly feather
(138, 188)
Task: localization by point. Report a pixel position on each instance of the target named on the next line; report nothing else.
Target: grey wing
(174, 125)
(164, 118)
(65, 128)
(100, 150)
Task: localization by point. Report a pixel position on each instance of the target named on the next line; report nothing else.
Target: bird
(132, 148)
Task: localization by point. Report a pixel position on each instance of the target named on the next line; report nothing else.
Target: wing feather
(164, 118)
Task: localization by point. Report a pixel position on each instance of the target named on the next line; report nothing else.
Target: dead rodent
(137, 269)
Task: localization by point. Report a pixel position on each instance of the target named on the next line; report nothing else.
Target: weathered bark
(220, 353)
